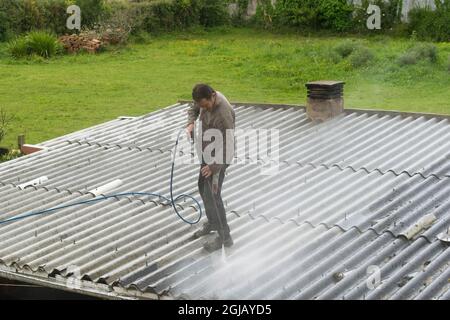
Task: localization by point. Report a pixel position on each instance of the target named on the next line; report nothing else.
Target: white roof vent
(32, 183)
(106, 187)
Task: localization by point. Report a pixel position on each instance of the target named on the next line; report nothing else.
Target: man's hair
(202, 91)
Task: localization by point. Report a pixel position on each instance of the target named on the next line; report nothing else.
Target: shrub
(346, 48)
(361, 57)
(335, 14)
(43, 44)
(12, 154)
(427, 52)
(186, 13)
(213, 13)
(32, 17)
(160, 16)
(21, 16)
(92, 11)
(11, 15)
(5, 122)
(420, 52)
(357, 54)
(264, 14)
(333, 56)
(297, 13)
(4, 26)
(431, 24)
(116, 29)
(38, 43)
(407, 59)
(18, 48)
(54, 15)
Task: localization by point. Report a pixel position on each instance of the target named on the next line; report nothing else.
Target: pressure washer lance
(170, 200)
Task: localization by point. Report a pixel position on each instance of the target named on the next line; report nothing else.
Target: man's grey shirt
(222, 117)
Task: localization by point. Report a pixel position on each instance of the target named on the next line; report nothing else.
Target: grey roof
(346, 197)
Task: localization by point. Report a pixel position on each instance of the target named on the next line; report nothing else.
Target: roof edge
(91, 289)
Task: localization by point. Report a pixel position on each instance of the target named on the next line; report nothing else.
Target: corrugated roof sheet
(347, 192)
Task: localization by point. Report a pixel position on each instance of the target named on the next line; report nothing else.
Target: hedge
(156, 16)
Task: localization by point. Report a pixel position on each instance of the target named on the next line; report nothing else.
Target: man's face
(206, 103)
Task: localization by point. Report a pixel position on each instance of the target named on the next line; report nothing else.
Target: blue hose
(172, 201)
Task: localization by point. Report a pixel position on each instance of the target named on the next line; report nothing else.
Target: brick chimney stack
(325, 99)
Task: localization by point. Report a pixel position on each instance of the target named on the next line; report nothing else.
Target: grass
(68, 93)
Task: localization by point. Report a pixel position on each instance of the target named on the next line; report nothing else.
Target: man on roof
(216, 138)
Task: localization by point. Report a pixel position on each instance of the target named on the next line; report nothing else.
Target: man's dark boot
(228, 242)
(217, 242)
(205, 230)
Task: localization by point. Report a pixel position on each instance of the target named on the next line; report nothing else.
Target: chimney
(325, 99)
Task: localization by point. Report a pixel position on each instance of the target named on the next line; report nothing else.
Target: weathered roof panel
(348, 197)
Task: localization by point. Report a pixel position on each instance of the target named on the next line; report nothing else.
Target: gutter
(83, 287)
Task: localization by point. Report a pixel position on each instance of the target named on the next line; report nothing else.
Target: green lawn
(69, 93)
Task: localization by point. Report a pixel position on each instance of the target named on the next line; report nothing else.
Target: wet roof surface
(345, 201)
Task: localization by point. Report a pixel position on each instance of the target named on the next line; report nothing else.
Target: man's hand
(206, 171)
(189, 130)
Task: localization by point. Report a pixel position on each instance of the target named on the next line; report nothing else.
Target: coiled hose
(170, 200)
